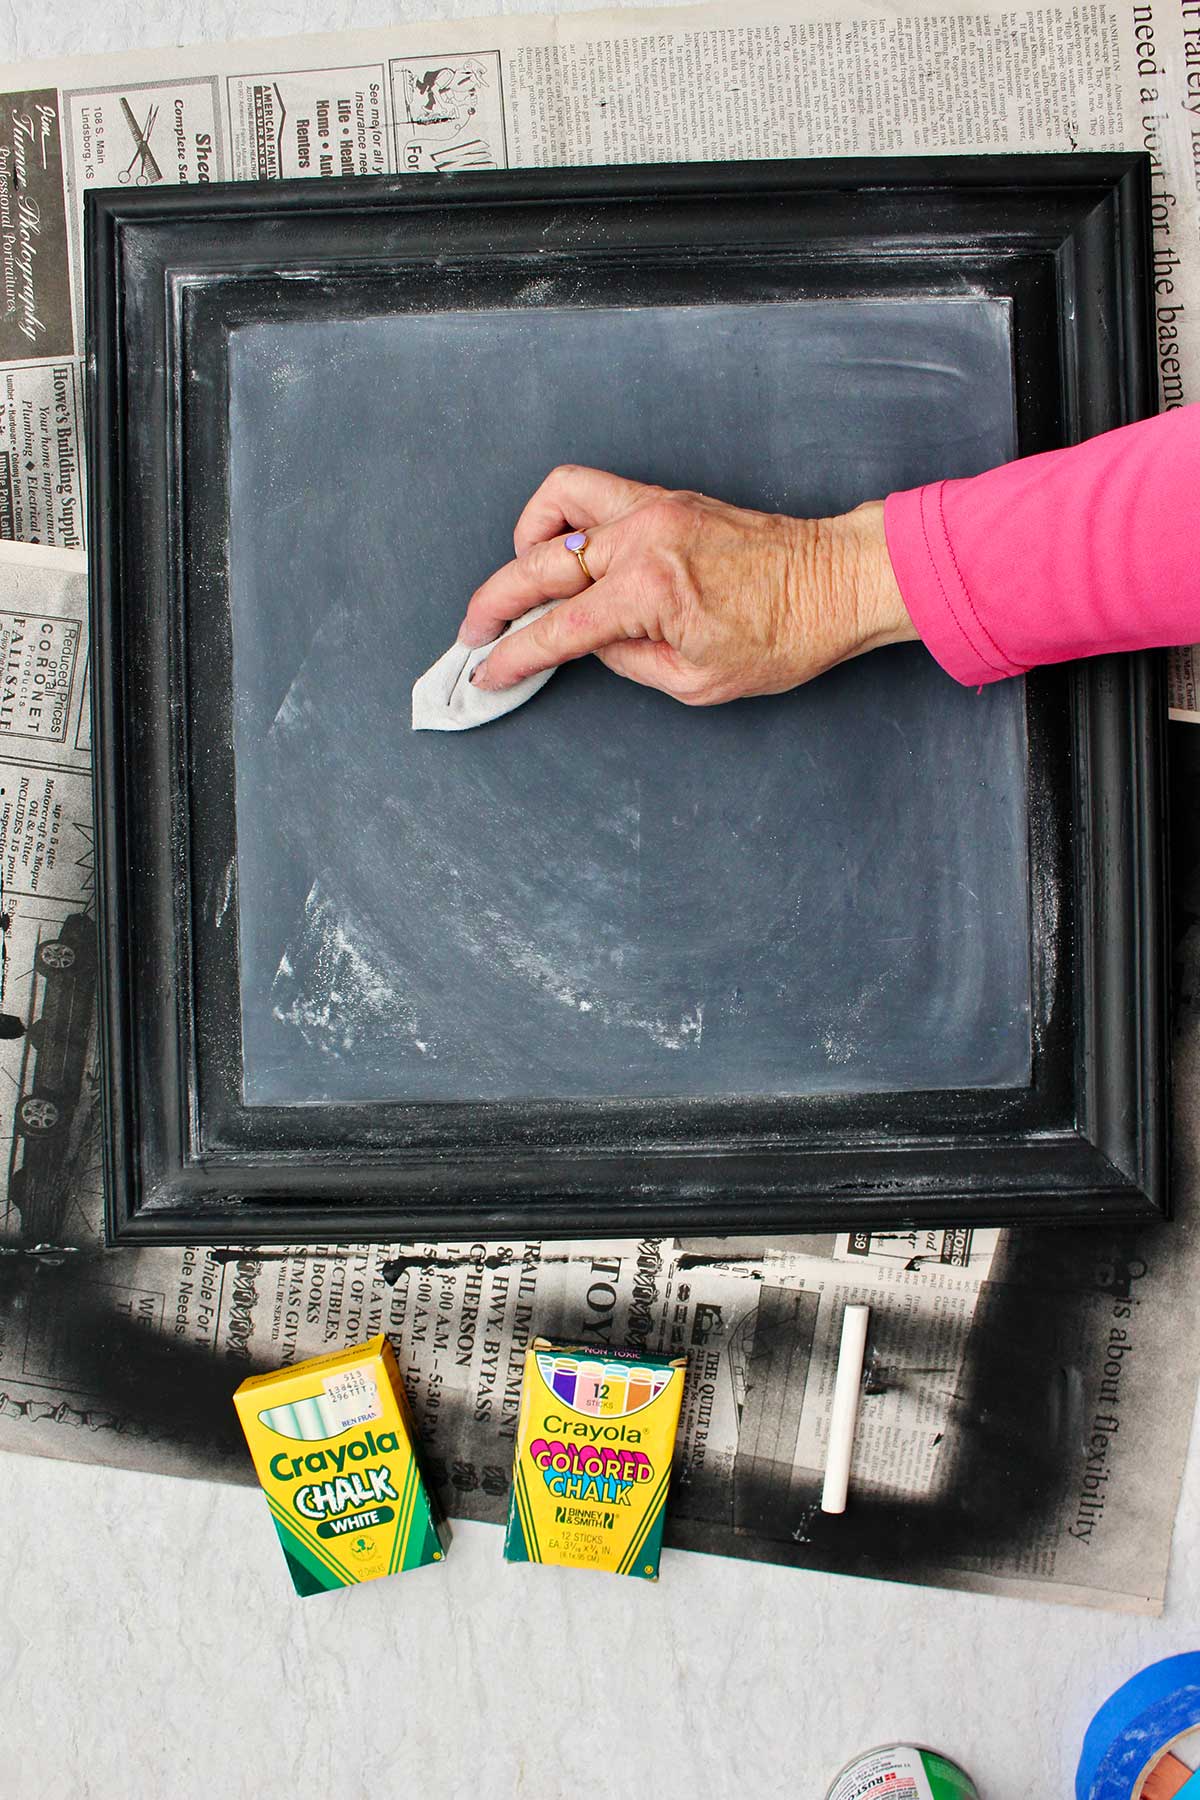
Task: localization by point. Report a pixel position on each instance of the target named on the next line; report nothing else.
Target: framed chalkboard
(878, 951)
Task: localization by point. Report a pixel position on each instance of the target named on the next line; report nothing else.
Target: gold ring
(576, 543)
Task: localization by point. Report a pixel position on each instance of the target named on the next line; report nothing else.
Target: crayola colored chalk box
(595, 1437)
(332, 1442)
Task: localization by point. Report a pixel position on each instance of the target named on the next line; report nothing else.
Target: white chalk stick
(846, 1390)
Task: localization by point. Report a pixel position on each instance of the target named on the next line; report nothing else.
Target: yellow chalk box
(333, 1446)
(595, 1438)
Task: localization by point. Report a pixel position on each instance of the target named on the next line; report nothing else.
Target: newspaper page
(1014, 1395)
(1183, 684)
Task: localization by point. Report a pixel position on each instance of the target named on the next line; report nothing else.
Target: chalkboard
(607, 894)
(876, 954)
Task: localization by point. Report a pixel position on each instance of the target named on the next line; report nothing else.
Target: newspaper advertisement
(1183, 684)
(1013, 1396)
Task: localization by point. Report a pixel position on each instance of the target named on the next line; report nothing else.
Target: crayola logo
(612, 1434)
(290, 1468)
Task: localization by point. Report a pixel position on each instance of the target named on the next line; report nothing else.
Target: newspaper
(1183, 684)
(1014, 1397)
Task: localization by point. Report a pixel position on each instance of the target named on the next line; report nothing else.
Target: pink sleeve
(1071, 553)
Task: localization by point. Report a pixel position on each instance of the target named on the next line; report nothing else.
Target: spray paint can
(903, 1772)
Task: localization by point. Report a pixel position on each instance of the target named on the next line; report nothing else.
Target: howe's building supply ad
(332, 1442)
(593, 1461)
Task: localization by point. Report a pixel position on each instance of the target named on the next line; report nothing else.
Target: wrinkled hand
(706, 601)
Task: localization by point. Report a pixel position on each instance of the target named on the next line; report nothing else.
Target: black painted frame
(1065, 239)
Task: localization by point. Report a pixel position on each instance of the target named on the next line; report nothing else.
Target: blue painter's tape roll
(1140, 1720)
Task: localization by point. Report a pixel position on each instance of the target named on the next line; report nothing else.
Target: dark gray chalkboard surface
(607, 893)
(874, 955)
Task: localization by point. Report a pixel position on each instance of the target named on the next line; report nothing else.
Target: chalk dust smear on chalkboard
(607, 894)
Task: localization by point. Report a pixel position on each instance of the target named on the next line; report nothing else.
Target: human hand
(705, 601)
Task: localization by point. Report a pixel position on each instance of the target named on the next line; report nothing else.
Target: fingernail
(472, 636)
(479, 674)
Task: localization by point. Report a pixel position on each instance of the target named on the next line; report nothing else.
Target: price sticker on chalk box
(352, 1396)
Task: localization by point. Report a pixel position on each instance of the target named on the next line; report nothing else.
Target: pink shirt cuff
(1069, 553)
(937, 597)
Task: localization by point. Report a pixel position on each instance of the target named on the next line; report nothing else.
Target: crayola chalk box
(595, 1438)
(332, 1442)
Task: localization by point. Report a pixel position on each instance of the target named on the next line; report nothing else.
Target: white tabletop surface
(150, 1645)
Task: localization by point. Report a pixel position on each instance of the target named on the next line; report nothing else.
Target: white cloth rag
(444, 698)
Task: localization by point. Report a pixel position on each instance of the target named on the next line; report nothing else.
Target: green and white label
(901, 1772)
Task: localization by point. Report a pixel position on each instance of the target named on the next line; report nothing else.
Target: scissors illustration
(143, 158)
